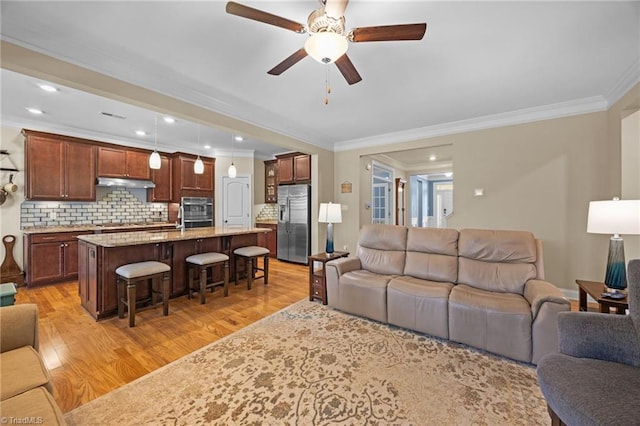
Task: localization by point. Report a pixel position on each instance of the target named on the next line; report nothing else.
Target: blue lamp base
(616, 275)
(329, 247)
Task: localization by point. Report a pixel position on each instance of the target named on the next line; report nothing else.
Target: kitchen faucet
(181, 217)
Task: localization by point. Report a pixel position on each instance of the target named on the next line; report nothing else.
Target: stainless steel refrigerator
(294, 228)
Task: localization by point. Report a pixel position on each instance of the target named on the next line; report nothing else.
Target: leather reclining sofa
(483, 288)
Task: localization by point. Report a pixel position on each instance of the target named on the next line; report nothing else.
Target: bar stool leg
(226, 278)
(120, 285)
(266, 269)
(203, 284)
(131, 302)
(190, 281)
(249, 263)
(166, 284)
(235, 260)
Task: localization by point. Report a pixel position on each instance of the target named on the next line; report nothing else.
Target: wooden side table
(595, 290)
(317, 279)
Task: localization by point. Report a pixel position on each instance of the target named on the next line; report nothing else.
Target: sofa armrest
(18, 327)
(333, 271)
(344, 265)
(599, 336)
(538, 292)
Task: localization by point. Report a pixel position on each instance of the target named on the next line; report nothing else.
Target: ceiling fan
(328, 41)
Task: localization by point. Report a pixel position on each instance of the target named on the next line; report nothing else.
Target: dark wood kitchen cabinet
(294, 168)
(186, 183)
(51, 257)
(58, 168)
(269, 240)
(123, 163)
(271, 181)
(162, 178)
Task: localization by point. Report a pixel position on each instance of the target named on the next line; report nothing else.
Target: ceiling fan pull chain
(327, 87)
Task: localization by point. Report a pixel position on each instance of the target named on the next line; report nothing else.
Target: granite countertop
(94, 227)
(120, 239)
(267, 222)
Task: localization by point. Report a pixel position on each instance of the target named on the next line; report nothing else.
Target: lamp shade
(330, 213)
(614, 217)
(232, 172)
(154, 160)
(326, 47)
(198, 166)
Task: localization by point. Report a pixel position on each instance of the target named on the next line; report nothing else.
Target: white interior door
(236, 202)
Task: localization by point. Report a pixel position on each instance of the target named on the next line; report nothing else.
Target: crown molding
(629, 78)
(527, 115)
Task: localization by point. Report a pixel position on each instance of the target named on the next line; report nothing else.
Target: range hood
(126, 183)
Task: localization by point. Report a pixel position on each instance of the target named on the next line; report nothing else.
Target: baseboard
(573, 295)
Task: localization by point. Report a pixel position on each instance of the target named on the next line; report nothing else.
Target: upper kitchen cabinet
(162, 178)
(271, 181)
(59, 168)
(294, 168)
(123, 163)
(186, 183)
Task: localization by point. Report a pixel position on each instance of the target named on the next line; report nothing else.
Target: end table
(317, 278)
(595, 290)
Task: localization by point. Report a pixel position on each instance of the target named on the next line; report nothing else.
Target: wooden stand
(10, 272)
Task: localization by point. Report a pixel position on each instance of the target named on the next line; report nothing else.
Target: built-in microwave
(197, 212)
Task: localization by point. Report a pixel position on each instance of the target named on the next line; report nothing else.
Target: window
(381, 195)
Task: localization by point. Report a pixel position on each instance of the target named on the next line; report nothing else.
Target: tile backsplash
(116, 205)
(268, 212)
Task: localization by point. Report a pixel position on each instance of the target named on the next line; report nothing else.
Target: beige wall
(13, 141)
(537, 176)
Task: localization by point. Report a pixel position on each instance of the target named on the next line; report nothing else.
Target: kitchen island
(100, 255)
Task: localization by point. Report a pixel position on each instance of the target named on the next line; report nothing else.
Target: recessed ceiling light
(432, 157)
(448, 174)
(141, 133)
(48, 87)
(169, 119)
(207, 147)
(35, 110)
(238, 138)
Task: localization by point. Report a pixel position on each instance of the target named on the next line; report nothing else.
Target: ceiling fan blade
(335, 8)
(347, 69)
(389, 33)
(243, 11)
(288, 63)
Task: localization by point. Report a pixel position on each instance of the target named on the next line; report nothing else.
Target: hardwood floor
(88, 358)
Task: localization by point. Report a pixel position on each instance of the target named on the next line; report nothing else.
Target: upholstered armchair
(595, 377)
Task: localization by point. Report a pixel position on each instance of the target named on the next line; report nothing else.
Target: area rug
(311, 365)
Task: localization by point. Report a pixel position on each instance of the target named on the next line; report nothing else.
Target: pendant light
(198, 166)
(232, 172)
(154, 159)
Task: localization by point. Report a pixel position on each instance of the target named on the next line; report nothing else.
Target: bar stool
(250, 255)
(133, 273)
(202, 262)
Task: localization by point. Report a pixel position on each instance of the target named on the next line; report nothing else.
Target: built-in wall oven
(196, 212)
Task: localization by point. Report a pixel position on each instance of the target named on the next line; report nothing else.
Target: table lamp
(330, 213)
(615, 217)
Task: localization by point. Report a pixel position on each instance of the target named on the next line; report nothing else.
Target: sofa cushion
(21, 370)
(364, 293)
(36, 404)
(419, 305)
(497, 322)
(381, 248)
(500, 261)
(432, 254)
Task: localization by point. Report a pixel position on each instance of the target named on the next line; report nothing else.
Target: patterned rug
(311, 365)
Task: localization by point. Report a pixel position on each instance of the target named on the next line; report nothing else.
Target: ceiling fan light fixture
(326, 47)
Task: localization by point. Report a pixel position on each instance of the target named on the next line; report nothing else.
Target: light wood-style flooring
(88, 358)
